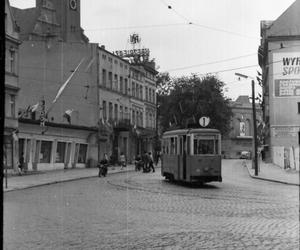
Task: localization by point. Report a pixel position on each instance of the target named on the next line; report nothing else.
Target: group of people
(144, 162)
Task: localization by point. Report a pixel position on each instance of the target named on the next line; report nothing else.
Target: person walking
(145, 159)
(151, 165)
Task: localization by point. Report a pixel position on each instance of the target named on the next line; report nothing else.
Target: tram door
(183, 150)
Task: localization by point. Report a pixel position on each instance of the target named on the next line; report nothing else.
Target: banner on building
(286, 74)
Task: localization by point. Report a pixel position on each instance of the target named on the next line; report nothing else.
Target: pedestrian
(151, 165)
(138, 162)
(145, 159)
(21, 164)
(122, 160)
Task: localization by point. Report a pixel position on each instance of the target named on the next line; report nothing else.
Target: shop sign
(286, 74)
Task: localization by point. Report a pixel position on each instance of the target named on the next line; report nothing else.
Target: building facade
(279, 58)
(58, 109)
(126, 91)
(240, 138)
(12, 43)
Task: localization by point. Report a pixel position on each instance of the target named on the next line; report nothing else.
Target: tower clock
(73, 4)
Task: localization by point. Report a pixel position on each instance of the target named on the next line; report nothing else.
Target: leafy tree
(184, 100)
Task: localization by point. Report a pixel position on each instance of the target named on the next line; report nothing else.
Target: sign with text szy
(286, 74)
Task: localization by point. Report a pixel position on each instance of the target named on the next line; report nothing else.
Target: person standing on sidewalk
(151, 165)
(122, 160)
(21, 164)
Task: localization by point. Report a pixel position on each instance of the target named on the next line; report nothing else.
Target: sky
(185, 36)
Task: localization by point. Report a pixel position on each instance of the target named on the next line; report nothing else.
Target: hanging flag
(61, 89)
(89, 64)
(34, 107)
(68, 114)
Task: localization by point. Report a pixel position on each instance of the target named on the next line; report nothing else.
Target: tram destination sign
(204, 121)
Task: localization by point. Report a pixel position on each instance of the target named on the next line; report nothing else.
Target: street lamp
(254, 121)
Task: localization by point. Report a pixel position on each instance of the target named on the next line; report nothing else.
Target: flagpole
(61, 89)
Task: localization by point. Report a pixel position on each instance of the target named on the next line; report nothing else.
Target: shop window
(298, 107)
(45, 152)
(82, 153)
(60, 152)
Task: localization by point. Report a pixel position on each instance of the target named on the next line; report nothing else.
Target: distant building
(240, 138)
(279, 58)
(12, 43)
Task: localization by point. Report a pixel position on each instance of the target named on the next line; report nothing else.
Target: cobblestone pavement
(143, 211)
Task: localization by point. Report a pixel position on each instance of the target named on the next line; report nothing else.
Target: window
(12, 60)
(12, 105)
(121, 84)
(146, 93)
(205, 146)
(110, 59)
(110, 80)
(45, 153)
(116, 82)
(104, 114)
(133, 116)
(103, 57)
(121, 113)
(104, 77)
(133, 89)
(121, 65)
(298, 107)
(126, 113)
(141, 91)
(60, 152)
(110, 111)
(126, 86)
(82, 153)
(116, 112)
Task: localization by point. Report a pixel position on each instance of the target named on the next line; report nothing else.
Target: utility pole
(254, 129)
(254, 121)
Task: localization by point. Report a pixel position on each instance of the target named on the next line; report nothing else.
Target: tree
(189, 98)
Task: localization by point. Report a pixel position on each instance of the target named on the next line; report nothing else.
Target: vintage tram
(192, 155)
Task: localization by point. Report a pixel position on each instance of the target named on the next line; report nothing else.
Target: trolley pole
(254, 129)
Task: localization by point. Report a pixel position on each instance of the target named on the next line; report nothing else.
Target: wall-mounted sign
(132, 52)
(286, 74)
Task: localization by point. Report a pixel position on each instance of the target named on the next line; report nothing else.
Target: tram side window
(203, 147)
(173, 150)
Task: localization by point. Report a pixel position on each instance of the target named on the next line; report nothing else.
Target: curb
(60, 181)
(266, 179)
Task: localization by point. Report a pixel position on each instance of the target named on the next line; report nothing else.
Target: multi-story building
(240, 138)
(58, 122)
(279, 58)
(12, 42)
(126, 91)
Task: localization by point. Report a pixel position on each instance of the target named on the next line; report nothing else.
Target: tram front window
(203, 147)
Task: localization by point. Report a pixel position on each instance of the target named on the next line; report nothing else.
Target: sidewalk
(271, 172)
(55, 176)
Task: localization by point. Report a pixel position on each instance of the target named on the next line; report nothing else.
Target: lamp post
(254, 121)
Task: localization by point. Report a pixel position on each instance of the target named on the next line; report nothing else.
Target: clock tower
(68, 17)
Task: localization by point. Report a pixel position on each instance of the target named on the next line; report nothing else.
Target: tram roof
(191, 131)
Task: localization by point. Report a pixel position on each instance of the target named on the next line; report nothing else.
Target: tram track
(132, 184)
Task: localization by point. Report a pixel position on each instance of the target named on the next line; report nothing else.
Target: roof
(25, 19)
(192, 130)
(287, 24)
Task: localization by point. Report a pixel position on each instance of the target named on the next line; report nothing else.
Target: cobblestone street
(143, 211)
